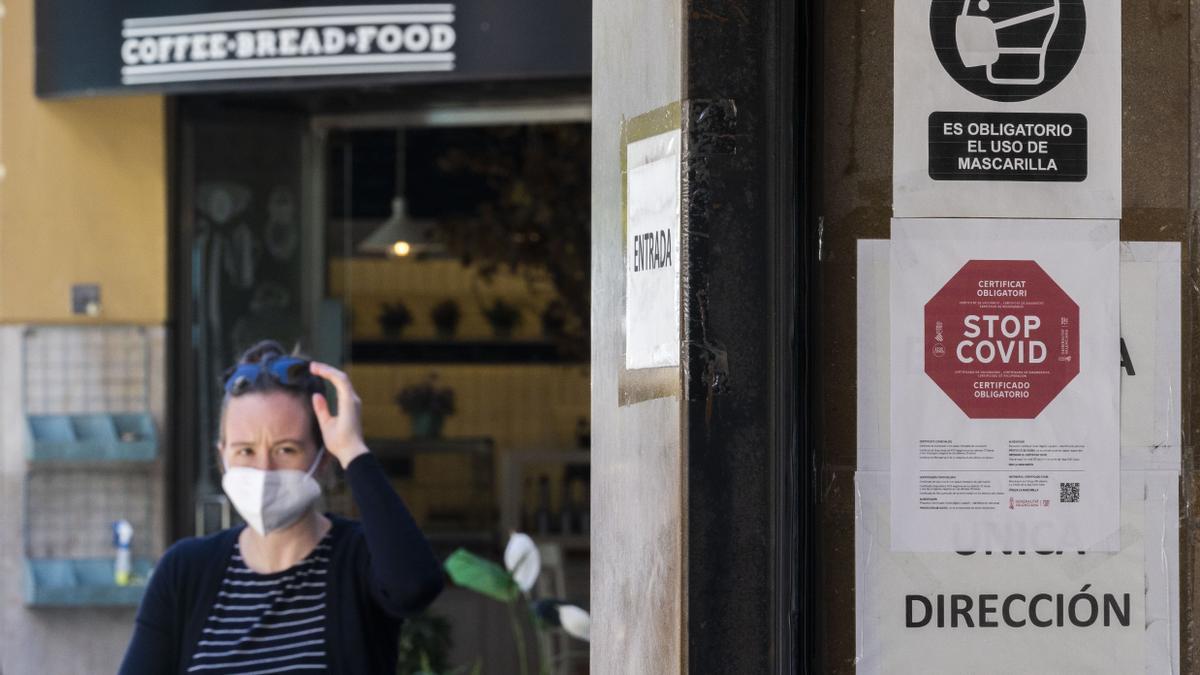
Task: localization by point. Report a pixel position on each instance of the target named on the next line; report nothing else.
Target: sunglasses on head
(286, 370)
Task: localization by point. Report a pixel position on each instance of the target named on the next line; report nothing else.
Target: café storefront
(295, 139)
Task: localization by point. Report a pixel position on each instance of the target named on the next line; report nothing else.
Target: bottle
(583, 434)
(575, 492)
(585, 507)
(122, 538)
(541, 517)
(566, 508)
(580, 506)
(527, 512)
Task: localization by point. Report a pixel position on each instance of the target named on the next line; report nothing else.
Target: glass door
(241, 273)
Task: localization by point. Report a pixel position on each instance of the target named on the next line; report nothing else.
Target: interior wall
(368, 283)
(83, 196)
(520, 406)
(638, 610)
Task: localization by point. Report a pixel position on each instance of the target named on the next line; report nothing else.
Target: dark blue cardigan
(380, 570)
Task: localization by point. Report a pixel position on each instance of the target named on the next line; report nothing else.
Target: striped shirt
(267, 623)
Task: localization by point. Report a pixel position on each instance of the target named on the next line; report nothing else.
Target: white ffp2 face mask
(271, 500)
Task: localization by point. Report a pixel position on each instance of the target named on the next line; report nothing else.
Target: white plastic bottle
(122, 538)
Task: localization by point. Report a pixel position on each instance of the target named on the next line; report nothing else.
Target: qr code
(1068, 492)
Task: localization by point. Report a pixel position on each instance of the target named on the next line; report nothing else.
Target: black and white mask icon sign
(1008, 50)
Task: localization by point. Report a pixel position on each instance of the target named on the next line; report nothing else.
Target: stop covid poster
(1005, 403)
(898, 595)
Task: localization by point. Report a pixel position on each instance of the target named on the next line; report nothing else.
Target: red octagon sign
(1001, 339)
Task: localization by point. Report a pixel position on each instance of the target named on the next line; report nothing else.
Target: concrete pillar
(693, 525)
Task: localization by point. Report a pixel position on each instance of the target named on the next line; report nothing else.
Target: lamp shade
(400, 235)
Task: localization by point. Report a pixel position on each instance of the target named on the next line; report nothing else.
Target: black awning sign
(293, 42)
(86, 47)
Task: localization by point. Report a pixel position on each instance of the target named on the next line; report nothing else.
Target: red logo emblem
(1009, 339)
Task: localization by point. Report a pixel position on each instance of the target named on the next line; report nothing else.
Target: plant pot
(554, 328)
(427, 425)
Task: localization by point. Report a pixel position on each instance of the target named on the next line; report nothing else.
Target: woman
(296, 590)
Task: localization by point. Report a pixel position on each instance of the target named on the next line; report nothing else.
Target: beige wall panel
(638, 494)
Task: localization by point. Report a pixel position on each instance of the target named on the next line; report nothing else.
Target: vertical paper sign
(652, 252)
(1005, 398)
(1007, 108)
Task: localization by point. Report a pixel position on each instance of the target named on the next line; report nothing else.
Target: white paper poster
(1150, 355)
(1005, 403)
(1150, 401)
(1007, 109)
(1058, 611)
(652, 250)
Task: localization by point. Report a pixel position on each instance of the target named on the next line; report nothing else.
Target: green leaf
(476, 669)
(481, 575)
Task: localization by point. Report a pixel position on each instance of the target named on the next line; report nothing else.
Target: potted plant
(554, 319)
(424, 644)
(536, 215)
(513, 585)
(503, 316)
(393, 318)
(428, 405)
(445, 317)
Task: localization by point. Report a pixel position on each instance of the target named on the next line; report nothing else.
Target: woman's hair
(262, 353)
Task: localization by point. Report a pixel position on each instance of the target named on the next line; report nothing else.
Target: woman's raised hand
(342, 432)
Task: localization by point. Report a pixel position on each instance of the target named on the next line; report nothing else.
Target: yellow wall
(83, 197)
(367, 283)
(520, 406)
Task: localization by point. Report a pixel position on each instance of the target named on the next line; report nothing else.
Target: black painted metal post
(744, 280)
